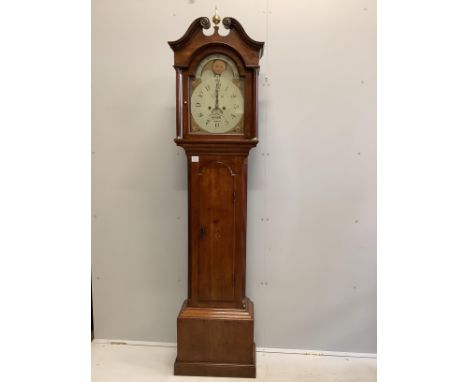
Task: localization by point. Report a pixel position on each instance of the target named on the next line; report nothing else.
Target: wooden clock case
(215, 327)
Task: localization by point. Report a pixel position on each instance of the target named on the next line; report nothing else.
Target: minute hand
(218, 86)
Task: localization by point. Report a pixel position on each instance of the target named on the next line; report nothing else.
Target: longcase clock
(216, 103)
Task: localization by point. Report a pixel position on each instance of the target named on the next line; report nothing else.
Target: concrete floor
(119, 363)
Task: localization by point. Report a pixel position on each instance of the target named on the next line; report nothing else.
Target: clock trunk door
(215, 229)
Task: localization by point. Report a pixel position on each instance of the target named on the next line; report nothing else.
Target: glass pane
(216, 97)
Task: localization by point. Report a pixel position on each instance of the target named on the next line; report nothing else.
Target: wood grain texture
(215, 327)
(216, 239)
(218, 209)
(216, 341)
(215, 369)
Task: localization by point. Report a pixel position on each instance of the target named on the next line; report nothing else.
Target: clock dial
(217, 103)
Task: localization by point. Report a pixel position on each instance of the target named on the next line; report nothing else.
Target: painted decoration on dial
(217, 102)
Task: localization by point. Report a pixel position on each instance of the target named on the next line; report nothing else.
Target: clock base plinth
(210, 369)
(215, 342)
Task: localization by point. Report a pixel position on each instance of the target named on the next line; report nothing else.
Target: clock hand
(218, 86)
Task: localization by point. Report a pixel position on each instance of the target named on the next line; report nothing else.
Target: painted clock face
(217, 102)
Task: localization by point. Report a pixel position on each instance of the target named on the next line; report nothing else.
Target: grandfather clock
(216, 105)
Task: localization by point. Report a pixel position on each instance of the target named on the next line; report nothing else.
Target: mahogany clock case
(190, 50)
(215, 327)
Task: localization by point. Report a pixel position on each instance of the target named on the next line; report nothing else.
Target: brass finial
(216, 18)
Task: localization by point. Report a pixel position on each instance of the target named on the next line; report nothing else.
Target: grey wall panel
(312, 179)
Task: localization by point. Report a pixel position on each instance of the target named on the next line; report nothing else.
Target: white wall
(311, 253)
